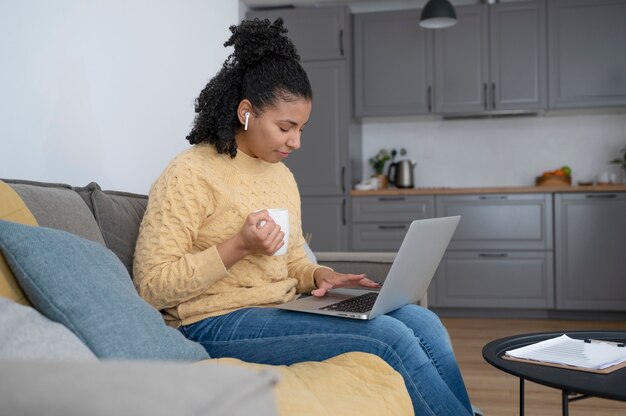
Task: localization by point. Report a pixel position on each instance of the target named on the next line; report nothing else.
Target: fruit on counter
(562, 171)
(557, 177)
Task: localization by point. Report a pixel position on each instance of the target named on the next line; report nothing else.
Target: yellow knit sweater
(201, 199)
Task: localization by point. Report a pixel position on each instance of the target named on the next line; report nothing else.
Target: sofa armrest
(375, 265)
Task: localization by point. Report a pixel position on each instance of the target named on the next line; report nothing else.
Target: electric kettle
(400, 173)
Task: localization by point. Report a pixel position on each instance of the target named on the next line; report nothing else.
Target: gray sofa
(58, 386)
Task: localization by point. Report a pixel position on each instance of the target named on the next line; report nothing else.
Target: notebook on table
(408, 279)
(595, 356)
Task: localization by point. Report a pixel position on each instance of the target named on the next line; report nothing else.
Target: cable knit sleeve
(168, 270)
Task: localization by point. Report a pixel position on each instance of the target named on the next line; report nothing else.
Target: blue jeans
(411, 339)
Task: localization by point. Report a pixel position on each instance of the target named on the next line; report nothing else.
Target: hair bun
(256, 39)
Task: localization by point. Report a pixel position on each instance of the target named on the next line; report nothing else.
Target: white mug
(281, 217)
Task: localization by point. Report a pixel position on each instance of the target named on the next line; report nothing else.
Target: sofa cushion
(12, 208)
(58, 206)
(25, 334)
(134, 388)
(119, 215)
(354, 383)
(83, 285)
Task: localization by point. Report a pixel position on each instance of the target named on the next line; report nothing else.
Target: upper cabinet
(392, 64)
(587, 43)
(317, 32)
(493, 59)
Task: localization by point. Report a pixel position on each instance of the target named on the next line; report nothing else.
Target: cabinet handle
(493, 95)
(343, 211)
(493, 255)
(493, 197)
(430, 99)
(343, 179)
(391, 227)
(391, 198)
(485, 94)
(601, 196)
(341, 42)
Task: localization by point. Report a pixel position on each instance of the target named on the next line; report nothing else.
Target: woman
(204, 252)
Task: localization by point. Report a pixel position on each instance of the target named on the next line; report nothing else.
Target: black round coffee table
(574, 384)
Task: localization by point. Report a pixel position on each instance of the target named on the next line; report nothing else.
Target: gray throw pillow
(84, 286)
(25, 334)
(134, 388)
(119, 215)
(58, 206)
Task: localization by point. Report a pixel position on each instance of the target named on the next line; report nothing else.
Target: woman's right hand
(259, 234)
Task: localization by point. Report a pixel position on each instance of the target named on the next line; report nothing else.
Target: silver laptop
(407, 282)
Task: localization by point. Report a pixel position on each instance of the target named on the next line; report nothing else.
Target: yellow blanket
(354, 383)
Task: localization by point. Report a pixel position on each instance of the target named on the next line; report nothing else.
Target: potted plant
(622, 162)
(377, 162)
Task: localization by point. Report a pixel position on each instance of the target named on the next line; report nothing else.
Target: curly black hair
(264, 68)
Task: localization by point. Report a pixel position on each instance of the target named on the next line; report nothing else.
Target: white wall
(103, 90)
(508, 151)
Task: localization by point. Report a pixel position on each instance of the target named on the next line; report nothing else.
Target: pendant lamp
(438, 14)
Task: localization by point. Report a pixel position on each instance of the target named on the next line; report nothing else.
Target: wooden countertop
(490, 190)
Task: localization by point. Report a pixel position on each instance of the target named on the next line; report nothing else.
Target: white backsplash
(507, 151)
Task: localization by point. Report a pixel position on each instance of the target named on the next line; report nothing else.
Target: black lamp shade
(438, 14)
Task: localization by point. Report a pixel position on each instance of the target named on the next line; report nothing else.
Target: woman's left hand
(326, 279)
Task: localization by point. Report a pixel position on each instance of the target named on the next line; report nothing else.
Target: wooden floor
(495, 392)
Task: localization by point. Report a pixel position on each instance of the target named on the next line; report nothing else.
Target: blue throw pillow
(84, 286)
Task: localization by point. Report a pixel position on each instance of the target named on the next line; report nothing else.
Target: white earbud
(247, 115)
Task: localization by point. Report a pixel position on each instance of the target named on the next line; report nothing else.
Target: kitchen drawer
(378, 237)
(495, 280)
(499, 222)
(400, 208)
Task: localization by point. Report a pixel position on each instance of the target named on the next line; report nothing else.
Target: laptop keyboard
(362, 303)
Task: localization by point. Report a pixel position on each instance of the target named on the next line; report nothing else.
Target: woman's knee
(424, 322)
(394, 334)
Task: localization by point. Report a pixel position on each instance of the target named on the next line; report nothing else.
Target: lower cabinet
(513, 279)
(326, 219)
(380, 223)
(590, 241)
(500, 255)
(539, 251)
(500, 221)
(378, 237)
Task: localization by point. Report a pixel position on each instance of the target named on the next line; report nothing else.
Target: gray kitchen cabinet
(493, 60)
(392, 64)
(499, 221)
(500, 255)
(379, 223)
(319, 33)
(322, 217)
(329, 159)
(502, 279)
(590, 251)
(587, 56)
(320, 165)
